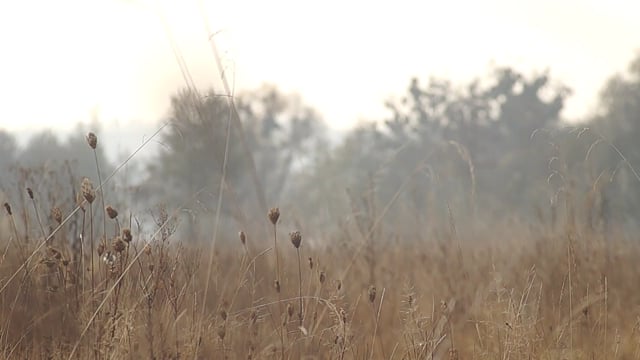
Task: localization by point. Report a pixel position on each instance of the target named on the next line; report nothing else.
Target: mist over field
(485, 216)
(497, 143)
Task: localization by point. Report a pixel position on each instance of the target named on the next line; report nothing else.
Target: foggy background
(481, 112)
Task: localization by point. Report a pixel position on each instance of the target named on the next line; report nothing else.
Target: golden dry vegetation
(510, 290)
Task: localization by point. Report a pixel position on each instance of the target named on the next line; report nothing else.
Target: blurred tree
(284, 136)
(193, 147)
(41, 148)
(619, 111)
(617, 124)
(8, 150)
(450, 138)
(281, 133)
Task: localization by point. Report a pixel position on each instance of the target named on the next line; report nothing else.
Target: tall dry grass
(505, 291)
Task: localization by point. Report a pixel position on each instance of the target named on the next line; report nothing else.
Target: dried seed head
(296, 238)
(56, 214)
(65, 262)
(243, 237)
(274, 215)
(8, 208)
(87, 190)
(147, 250)
(372, 293)
(276, 284)
(30, 192)
(310, 263)
(323, 277)
(119, 245)
(343, 316)
(126, 235)
(92, 140)
(113, 213)
(290, 310)
(223, 313)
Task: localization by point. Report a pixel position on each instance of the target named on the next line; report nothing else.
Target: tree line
(494, 148)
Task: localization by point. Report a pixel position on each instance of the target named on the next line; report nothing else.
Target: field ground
(508, 292)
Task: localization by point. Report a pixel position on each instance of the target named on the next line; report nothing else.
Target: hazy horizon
(112, 60)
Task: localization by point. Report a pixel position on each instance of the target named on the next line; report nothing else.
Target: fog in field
(356, 116)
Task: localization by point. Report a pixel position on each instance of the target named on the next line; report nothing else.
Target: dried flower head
(119, 245)
(274, 215)
(30, 192)
(323, 277)
(296, 239)
(87, 190)
(126, 235)
(92, 140)
(243, 237)
(56, 214)
(8, 208)
(113, 213)
(310, 263)
(372, 293)
(276, 285)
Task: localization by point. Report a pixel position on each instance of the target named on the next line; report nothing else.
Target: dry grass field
(510, 290)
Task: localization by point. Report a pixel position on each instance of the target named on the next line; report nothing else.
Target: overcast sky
(66, 61)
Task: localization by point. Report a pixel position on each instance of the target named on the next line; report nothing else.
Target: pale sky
(66, 61)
